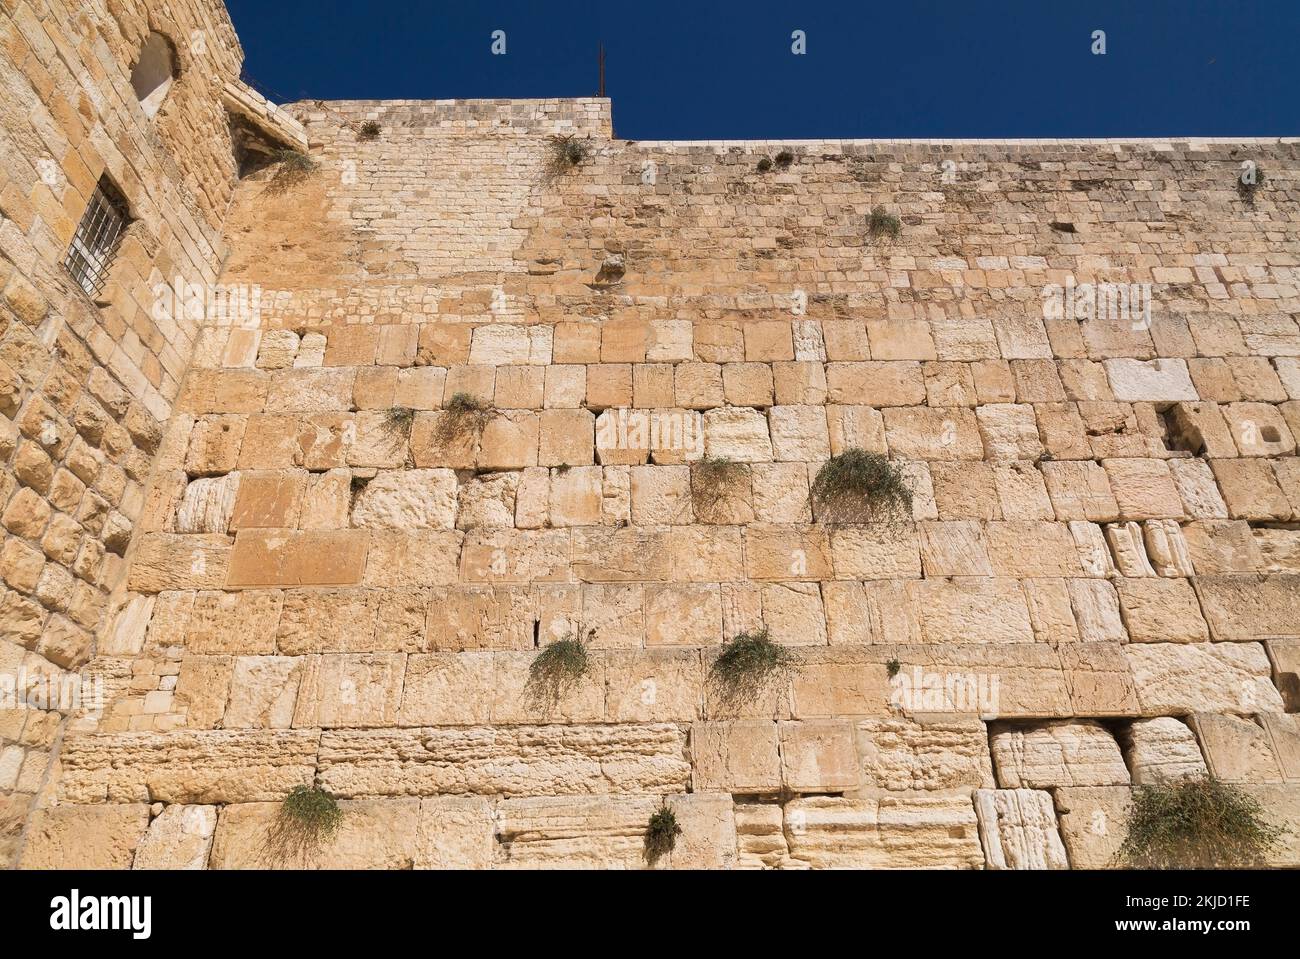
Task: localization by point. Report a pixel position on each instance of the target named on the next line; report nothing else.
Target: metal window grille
(97, 237)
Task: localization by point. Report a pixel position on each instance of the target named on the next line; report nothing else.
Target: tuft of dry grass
(309, 817)
(464, 417)
(291, 168)
(749, 666)
(882, 224)
(713, 481)
(556, 671)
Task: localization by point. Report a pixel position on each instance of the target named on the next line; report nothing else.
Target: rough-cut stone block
(736, 757)
(180, 837)
(279, 557)
(85, 837)
(553, 760)
(1057, 754)
(920, 832)
(1018, 829)
(1094, 822)
(1161, 750)
(903, 755)
(1178, 678)
(819, 756)
(1236, 749)
(186, 767)
(407, 500)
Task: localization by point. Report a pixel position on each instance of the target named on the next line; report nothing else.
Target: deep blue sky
(709, 69)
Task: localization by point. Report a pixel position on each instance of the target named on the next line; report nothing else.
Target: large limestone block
(760, 839)
(455, 832)
(1236, 749)
(1178, 678)
(513, 702)
(1018, 829)
(371, 835)
(85, 837)
(799, 434)
(398, 559)
(218, 766)
(179, 837)
(876, 551)
(408, 500)
(903, 755)
(1099, 679)
(165, 561)
(280, 557)
(653, 685)
(912, 832)
(1158, 610)
(739, 434)
(263, 692)
(1143, 488)
(1094, 822)
(740, 756)
(550, 760)
(340, 689)
(1284, 654)
(448, 689)
(1010, 431)
(1154, 380)
(327, 621)
(1057, 754)
(879, 612)
(839, 681)
(972, 610)
(819, 756)
(708, 839)
(516, 556)
(1161, 750)
(1284, 735)
(573, 832)
(207, 504)
(1251, 607)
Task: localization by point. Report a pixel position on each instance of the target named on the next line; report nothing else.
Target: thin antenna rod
(602, 71)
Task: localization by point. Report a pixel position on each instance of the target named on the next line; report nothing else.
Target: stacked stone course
(334, 580)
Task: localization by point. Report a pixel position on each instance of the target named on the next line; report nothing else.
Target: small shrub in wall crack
(661, 834)
(308, 818)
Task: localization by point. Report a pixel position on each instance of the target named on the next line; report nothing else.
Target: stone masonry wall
(87, 386)
(335, 582)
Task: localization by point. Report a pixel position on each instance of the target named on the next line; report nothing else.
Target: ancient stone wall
(87, 385)
(342, 579)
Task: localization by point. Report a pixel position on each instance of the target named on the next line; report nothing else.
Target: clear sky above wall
(714, 70)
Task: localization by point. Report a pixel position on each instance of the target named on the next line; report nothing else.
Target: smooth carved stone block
(549, 760)
(573, 832)
(361, 690)
(1155, 381)
(907, 832)
(85, 837)
(218, 766)
(903, 755)
(1162, 750)
(180, 837)
(1018, 829)
(290, 558)
(1058, 754)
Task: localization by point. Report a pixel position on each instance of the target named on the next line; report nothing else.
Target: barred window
(97, 236)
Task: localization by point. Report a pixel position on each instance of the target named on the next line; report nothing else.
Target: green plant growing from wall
(370, 130)
(464, 417)
(308, 818)
(291, 168)
(882, 224)
(661, 834)
(893, 667)
(764, 164)
(557, 670)
(1196, 824)
(713, 480)
(749, 665)
(784, 159)
(861, 487)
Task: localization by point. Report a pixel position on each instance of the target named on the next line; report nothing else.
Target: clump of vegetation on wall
(861, 487)
(308, 818)
(713, 480)
(661, 834)
(465, 416)
(1196, 824)
(556, 670)
(1248, 183)
(370, 130)
(882, 224)
(784, 159)
(291, 168)
(566, 152)
(749, 665)
(764, 164)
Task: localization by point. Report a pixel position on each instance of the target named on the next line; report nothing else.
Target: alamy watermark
(625, 429)
(65, 693)
(1122, 302)
(220, 304)
(918, 691)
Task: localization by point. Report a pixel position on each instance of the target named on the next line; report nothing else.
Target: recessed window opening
(98, 235)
